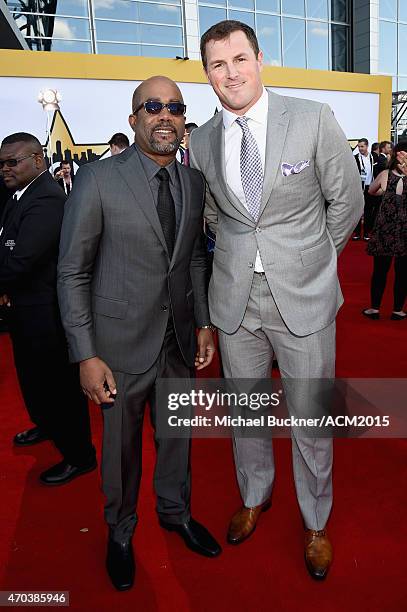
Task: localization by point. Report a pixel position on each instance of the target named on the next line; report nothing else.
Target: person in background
(64, 176)
(184, 148)
(385, 150)
(365, 162)
(374, 149)
(389, 237)
(118, 143)
(29, 241)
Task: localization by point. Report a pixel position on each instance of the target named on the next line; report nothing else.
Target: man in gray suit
(270, 162)
(132, 290)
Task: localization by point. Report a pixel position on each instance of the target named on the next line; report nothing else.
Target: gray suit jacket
(297, 239)
(116, 283)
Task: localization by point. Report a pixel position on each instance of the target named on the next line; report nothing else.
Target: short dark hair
(364, 141)
(65, 162)
(189, 127)
(120, 140)
(393, 162)
(374, 147)
(23, 137)
(384, 143)
(223, 30)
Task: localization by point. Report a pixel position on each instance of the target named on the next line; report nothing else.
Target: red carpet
(54, 539)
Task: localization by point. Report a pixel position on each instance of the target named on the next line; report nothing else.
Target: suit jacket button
(164, 307)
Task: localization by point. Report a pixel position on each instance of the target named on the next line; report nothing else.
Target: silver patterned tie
(251, 169)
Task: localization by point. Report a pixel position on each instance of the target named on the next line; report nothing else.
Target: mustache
(164, 124)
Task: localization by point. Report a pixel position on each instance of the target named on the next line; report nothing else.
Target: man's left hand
(206, 349)
(4, 300)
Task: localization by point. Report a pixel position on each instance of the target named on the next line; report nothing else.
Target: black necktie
(166, 209)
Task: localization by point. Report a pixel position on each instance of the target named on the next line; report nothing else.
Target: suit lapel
(277, 126)
(186, 192)
(132, 171)
(218, 152)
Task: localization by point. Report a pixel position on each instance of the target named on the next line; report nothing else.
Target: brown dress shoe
(318, 553)
(244, 522)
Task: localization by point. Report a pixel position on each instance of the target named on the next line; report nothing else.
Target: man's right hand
(97, 381)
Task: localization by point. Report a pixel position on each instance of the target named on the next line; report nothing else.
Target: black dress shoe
(195, 536)
(355, 237)
(120, 564)
(63, 472)
(397, 317)
(371, 315)
(29, 437)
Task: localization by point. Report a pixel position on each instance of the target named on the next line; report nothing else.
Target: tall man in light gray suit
(270, 162)
(132, 290)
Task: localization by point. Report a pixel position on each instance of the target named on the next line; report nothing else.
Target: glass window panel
(272, 6)
(317, 45)
(116, 9)
(247, 4)
(117, 31)
(73, 46)
(76, 8)
(171, 52)
(293, 7)
(402, 84)
(317, 8)
(217, 2)
(160, 14)
(114, 49)
(402, 49)
(339, 11)
(294, 43)
(243, 17)
(38, 44)
(64, 27)
(402, 10)
(339, 35)
(388, 9)
(160, 35)
(387, 47)
(269, 36)
(209, 16)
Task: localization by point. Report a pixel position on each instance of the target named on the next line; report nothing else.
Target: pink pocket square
(287, 169)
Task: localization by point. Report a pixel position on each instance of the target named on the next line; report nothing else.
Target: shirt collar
(20, 192)
(258, 112)
(151, 167)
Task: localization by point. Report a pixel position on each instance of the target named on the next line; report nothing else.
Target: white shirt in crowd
(257, 123)
(366, 165)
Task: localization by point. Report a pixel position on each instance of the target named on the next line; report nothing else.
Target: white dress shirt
(366, 165)
(257, 123)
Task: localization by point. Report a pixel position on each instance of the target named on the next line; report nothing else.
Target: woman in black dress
(389, 236)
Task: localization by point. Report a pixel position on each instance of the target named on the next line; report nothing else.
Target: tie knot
(242, 122)
(163, 175)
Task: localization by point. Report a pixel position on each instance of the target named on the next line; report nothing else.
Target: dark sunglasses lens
(9, 162)
(154, 108)
(176, 108)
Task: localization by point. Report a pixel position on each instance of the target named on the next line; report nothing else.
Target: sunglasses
(12, 163)
(154, 107)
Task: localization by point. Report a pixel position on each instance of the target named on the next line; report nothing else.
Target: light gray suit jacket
(116, 282)
(297, 239)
